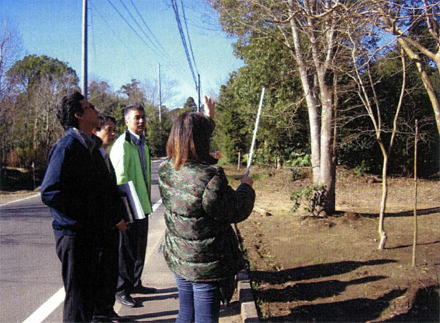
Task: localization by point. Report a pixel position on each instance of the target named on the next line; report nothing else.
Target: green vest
(127, 164)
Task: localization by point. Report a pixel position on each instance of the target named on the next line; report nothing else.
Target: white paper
(128, 190)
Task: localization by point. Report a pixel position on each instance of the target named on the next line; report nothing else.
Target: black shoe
(126, 299)
(143, 290)
(112, 315)
(101, 319)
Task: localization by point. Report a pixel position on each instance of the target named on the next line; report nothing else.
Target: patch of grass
(259, 177)
(264, 309)
(360, 170)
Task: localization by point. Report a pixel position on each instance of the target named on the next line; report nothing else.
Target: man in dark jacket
(83, 201)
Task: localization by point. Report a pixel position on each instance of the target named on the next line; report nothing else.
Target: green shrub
(312, 196)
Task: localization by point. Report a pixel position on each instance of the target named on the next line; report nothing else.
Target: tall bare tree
(311, 30)
(10, 48)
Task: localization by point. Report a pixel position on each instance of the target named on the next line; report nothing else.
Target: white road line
(25, 198)
(47, 308)
(52, 303)
(156, 205)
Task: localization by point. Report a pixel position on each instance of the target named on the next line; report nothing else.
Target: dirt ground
(311, 269)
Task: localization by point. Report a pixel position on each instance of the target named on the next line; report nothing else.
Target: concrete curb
(248, 308)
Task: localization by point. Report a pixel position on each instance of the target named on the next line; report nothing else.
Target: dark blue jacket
(78, 188)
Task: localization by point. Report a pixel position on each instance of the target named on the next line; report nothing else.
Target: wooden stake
(415, 196)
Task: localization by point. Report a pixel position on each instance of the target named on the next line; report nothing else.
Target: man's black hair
(134, 106)
(103, 118)
(66, 109)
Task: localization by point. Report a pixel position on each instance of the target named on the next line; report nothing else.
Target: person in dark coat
(108, 240)
(201, 247)
(83, 201)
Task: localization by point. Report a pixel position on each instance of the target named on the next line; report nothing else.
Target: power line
(161, 49)
(93, 32)
(187, 33)
(178, 68)
(149, 30)
(137, 34)
(182, 36)
(128, 11)
(155, 45)
(108, 25)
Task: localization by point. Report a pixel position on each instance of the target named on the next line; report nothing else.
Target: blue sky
(119, 51)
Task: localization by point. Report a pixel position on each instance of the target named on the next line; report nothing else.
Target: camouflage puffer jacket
(200, 206)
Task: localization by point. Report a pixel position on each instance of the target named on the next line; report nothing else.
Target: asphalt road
(30, 273)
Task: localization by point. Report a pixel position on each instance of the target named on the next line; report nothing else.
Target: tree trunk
(383, 203)
(327, 166)
(34, 140)
(311, 101)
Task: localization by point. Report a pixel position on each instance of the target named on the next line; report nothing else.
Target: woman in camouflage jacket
(200, 244)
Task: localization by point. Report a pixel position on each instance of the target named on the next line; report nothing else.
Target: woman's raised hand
(209, 107)
(247, 180)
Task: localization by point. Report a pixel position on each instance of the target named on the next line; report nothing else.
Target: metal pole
(198, 93)
(160, 96)
(255, 133)
(84, 61)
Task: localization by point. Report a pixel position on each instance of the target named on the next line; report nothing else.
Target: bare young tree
(362, 75)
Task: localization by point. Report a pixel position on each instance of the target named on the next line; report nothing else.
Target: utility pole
(160, 96)
(198, 93)
(84, 61)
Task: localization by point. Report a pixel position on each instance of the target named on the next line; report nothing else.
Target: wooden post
(239, 160)
(415, 196)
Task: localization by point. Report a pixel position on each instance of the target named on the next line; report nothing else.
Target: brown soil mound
(313, 269)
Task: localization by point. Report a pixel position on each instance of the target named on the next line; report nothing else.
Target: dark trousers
(106, 275)
(78, 256)
(132, 250)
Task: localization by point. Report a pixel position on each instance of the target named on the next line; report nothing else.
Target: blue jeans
(198, 302)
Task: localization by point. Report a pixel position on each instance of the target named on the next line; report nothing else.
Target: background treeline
(361, 68)
(32, 88)
(283, 131)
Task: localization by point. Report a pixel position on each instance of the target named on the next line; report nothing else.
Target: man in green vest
(130, 157)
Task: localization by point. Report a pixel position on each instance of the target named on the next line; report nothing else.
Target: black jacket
(78, 188)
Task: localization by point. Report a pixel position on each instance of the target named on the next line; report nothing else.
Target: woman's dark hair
(66, 109)
(190, 139)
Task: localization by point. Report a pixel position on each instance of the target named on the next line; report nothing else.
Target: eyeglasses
(109, 130)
